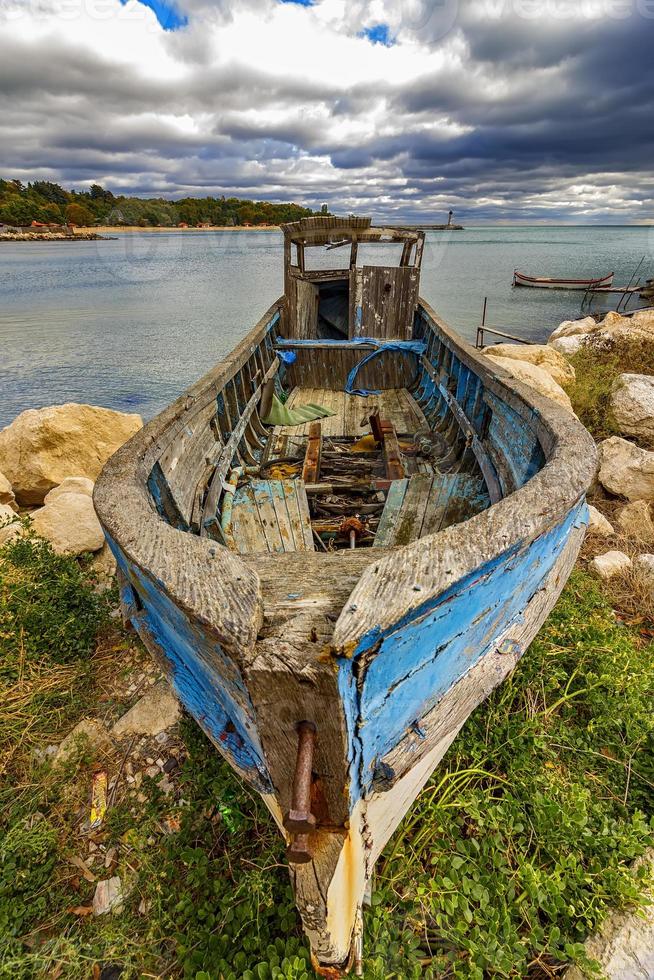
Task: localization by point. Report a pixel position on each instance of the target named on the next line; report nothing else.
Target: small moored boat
(337, 543)
(540, 282)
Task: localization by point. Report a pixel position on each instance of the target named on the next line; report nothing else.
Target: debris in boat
(156, 711)
(281, 414)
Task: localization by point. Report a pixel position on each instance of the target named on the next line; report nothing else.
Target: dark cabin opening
(334, 310)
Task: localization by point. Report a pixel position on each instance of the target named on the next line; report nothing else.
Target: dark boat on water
(338, 542)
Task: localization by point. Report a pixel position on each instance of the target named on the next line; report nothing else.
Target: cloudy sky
(500, 109)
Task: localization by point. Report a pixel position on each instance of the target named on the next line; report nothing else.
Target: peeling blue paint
(415, 662)
(207, 682)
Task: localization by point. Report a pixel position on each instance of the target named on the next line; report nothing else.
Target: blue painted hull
(386, 652)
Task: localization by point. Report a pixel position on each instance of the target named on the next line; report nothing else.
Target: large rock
(10, 528)
(70, 524)
(598, 524)
(624, 945)
(542, 355)
(644, 565)
(573, 328)
(157, 710)
(89, 732)
(626, 470)
(72, 484)
(643, 319)
(42, 447)
(534, 376)
(632, 402)
(635, 521)
(610, 564)
(568, 345)
(6, 493)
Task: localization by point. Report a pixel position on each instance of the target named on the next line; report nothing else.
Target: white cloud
(478, 105)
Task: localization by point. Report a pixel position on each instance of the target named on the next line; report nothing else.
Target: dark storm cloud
(512, 116)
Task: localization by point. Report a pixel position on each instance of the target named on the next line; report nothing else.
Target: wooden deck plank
(305, 517)
(284, 525)
(247, 533)
(442, 488)
(271, 516)
(407, 524)
(263, 499)
(390, 513)
(311, 467)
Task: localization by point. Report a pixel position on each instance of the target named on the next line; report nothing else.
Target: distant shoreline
(122, 229)
(82, 236)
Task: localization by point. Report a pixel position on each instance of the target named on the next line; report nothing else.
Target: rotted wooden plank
(391, 450)
(311, 468)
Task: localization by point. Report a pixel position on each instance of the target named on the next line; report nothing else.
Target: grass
(516, 849)
(598, 365)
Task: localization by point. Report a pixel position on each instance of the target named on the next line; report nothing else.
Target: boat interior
(346, 419)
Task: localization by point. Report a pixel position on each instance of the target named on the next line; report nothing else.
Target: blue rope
(417, 347)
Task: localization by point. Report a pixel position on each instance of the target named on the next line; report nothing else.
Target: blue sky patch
(300, 3)
(379, 34)
(167, 14)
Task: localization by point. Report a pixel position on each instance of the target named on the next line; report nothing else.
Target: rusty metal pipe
(299, 819)
(299, 851)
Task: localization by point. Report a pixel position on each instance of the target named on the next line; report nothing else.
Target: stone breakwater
(50, 236)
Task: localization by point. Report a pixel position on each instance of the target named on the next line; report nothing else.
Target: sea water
(130, 323)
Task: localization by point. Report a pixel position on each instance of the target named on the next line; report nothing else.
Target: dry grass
(633, 597)
(598, 364)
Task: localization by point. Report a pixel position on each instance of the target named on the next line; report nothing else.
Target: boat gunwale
(221, 590)
(229, 604)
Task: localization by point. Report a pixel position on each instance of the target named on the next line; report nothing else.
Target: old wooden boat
(332, 599)
(541, 282)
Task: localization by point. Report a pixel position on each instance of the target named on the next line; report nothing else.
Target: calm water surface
(130, 323)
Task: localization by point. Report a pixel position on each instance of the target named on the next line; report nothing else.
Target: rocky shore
(51, 236)
(622, 498)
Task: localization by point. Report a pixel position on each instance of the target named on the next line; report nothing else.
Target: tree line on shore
(49, 203)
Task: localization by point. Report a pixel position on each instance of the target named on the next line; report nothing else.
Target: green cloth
(280, 414)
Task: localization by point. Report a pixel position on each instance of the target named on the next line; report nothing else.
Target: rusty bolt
(299, 819)
(298, 851)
